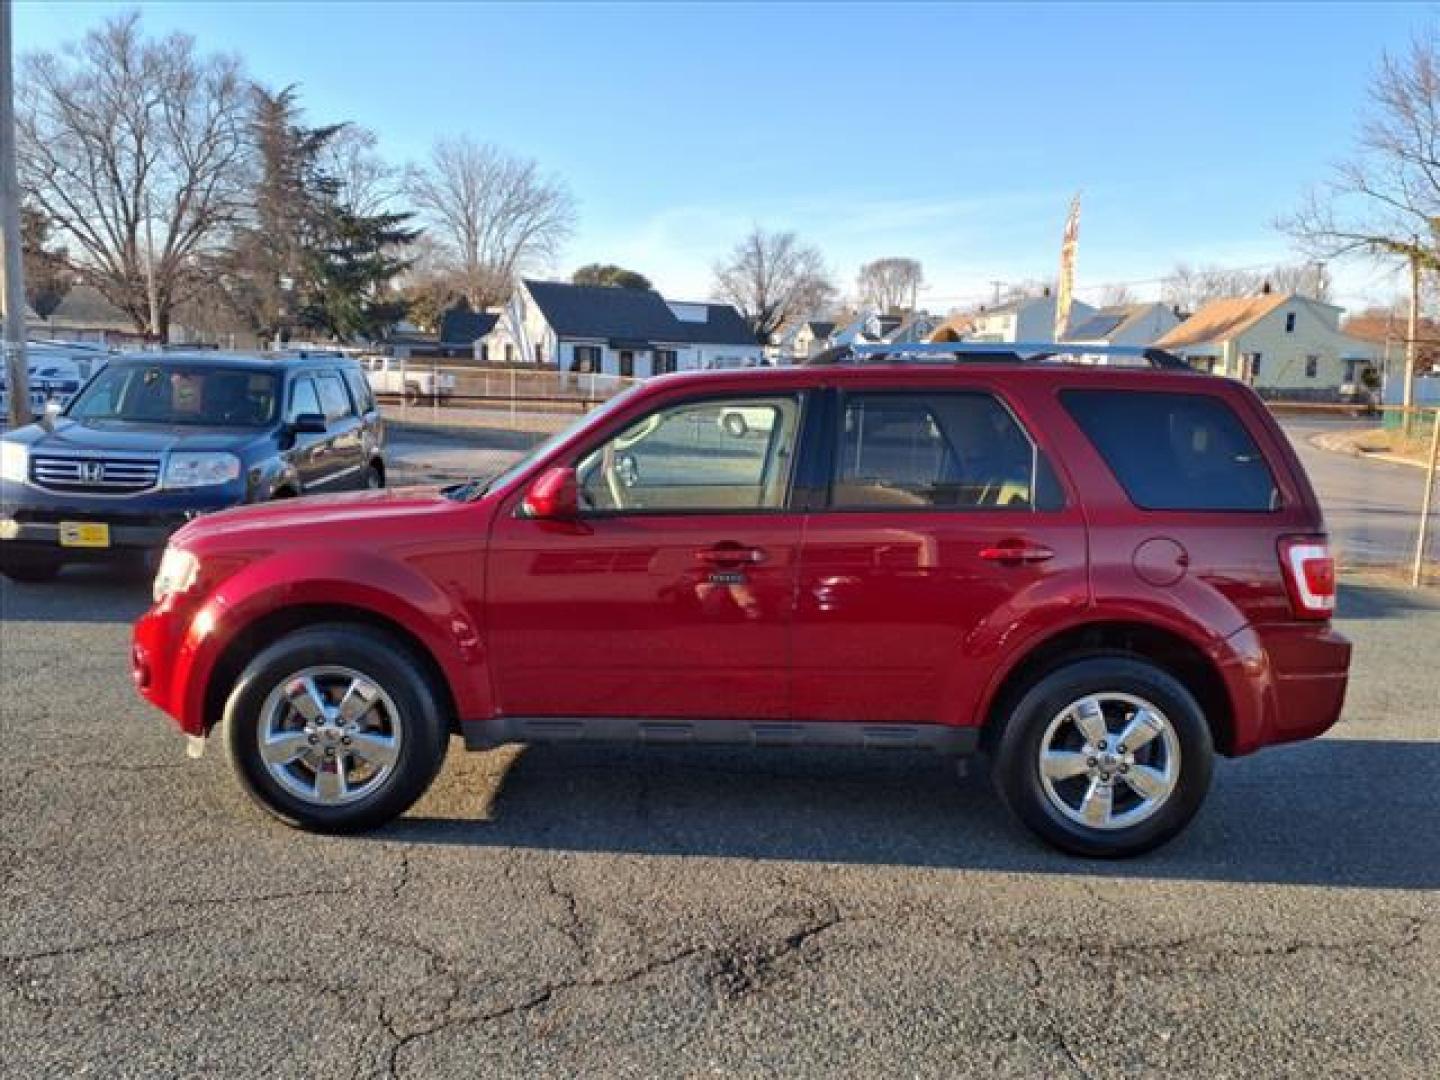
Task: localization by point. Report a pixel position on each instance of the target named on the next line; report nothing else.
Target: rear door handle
(730, 555)
(1019, 553)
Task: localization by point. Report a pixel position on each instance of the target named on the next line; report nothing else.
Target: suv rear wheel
(334, 729)
(1106, 757)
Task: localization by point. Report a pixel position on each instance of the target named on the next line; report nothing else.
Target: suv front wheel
(334, 729)
(1106, 757)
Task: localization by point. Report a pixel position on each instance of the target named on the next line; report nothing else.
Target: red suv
(1100, 576)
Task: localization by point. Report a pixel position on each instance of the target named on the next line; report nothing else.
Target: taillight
(1309, 575)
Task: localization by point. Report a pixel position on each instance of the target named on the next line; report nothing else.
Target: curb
(1343, 444)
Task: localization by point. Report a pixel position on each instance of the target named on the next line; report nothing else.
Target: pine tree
(348, 294)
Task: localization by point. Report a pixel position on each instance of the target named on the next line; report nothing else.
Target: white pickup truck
(416, 381)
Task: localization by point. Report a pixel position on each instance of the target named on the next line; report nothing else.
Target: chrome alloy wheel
(329, 735)
(1109, 760)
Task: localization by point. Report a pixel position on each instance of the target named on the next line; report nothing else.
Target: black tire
(30, 571)
(382, 659)
(1016, 766)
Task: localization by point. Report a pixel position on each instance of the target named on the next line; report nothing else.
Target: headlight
(14, 459)
(188, 469)
(178, 571)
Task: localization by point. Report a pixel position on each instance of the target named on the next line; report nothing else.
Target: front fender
(384, 589)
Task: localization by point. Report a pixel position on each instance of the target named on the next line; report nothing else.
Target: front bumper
(30, 519)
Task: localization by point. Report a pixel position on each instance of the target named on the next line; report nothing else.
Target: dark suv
(1101, 576)
(154, 440)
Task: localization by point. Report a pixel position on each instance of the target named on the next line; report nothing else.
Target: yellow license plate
(84, 534)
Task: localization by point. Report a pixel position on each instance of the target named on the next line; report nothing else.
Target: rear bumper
(1286, 681)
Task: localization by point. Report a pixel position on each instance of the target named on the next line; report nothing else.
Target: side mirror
(309, 423)
(553, 497)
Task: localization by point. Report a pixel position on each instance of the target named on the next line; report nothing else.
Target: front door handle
(1017, 553)
(730, 555)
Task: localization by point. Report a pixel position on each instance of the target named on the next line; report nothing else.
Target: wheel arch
(251, 638)
(1171, 651)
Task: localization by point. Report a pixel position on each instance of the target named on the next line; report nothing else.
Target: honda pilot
(1102, 577)
(153, 441)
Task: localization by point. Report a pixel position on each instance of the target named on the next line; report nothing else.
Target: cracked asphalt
(571, 911)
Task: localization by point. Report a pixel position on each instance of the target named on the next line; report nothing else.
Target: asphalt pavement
(570, 911)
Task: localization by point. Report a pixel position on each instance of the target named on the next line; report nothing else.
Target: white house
(616, 331)
(1030, 318)
(1125, 324)
(1279, 343)
(868, 328)
(803, 341)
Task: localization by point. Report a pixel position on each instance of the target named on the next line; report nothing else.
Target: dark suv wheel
(1106, 757)
(334, 729)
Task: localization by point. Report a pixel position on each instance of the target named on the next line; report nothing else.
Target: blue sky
(952, 134)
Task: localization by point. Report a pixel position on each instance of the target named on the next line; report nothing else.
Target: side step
(941, 738)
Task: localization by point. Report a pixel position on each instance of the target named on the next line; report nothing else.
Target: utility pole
(1413, 332)
(150, 274)
(12, 266)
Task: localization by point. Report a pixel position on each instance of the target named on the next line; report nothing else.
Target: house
(1125, 324)
(955, 328)
(1027, 318)
(869, 328)
(803, 341)
(917, 327)
(85, 315)
(463, 332)
(613, 331)
(1282, 344)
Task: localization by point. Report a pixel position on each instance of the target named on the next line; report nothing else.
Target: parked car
(1102, 577)
(414, 382)
(56, 371)
(155, 439)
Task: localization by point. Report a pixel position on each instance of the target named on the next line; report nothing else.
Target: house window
(484, 353)
(1312, 366)
(587, 359)
(666, 361)
(627, 364)
(539, 353)
(1290, 322)
(509, 353)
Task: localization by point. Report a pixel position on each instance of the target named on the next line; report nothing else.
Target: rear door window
(1175, 451)
(937, 451)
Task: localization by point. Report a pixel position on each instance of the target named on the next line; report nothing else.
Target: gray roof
(1098, 326)
(466, 327)
(638, 315)
(84, 308)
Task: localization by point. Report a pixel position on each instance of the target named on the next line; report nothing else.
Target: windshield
(204, 396)
(475, 490)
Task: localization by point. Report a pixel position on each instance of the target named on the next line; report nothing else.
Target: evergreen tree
(348, 280)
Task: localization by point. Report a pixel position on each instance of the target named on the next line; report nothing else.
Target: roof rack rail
(994, 352)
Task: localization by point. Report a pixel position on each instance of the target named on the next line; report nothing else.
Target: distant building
(85, 315)
(870, 328)
(917, 327)
(1029, 318)
(614, 331)
(803, 341)
(1125, 324)
(1282, 344)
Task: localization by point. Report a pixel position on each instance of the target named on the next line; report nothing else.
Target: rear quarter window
(1175, 451)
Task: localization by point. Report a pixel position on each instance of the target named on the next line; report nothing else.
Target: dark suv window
(334, 401)
(947, 451)
(1175, 451)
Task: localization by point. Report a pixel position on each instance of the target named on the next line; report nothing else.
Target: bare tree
(890, 284)
(500, 216)
(1116, 296)
(1385, 199)
(774, 280)
(1190, 288)
(135, 149)
(364, 181)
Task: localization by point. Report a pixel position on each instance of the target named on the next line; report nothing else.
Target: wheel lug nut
(1092, 762)
(1102, 744)
(346, 740)
(1120, 749)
